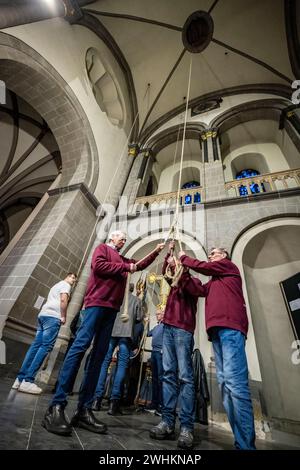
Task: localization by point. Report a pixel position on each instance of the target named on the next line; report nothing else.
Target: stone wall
(53, 245)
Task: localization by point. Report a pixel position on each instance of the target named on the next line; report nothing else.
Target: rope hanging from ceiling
(174, 268)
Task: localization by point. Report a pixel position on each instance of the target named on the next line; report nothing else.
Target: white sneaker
(16, 384)
(28, 387)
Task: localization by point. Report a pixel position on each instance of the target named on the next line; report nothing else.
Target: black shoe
(162, 431)
(114, 408)
(96, 406)
(55, 421)
(186, 439)
(85, 419)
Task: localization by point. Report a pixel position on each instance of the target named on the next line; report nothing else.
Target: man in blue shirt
(156, 362)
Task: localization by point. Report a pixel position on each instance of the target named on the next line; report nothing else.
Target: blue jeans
(232, 374)
(122, 364)
(157, 378)
(47, 331)
(177, 365)
(97, 323)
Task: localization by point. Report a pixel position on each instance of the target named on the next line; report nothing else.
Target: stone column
(213, 174)
(138, 177)
(53, 245)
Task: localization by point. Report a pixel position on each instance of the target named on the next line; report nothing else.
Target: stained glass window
(190, 184)
(254, 187)
(188, 198)
(197, 197)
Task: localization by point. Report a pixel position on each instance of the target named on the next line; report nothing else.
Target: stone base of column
(53, 245)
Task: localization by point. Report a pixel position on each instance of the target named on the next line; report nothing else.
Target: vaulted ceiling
(248, 51)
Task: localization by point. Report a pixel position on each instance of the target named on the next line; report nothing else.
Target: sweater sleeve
(216, 268)
(194, 287)
(101, 265)
(147, 261)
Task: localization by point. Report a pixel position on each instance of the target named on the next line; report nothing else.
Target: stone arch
(253, 160)
(259, 126)
(168, 136)
(268, 253)
(187, 238)
(269, 109)
(189, 173)
(31, 77)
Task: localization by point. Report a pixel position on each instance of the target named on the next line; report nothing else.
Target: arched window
(189, 198)
(190, 184)
(254, 187)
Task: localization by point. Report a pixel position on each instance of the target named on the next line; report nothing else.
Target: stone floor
(20, 428)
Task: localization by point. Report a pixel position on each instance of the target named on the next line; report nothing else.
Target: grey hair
(116, 233)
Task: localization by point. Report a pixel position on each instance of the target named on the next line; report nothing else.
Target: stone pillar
(53, 245)
(138, 177)
(213, 174)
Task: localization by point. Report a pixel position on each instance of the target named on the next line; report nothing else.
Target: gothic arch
(267, 253)
(168, 136)
(269, 109)
(31, 77)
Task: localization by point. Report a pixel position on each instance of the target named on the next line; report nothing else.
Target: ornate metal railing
(263, 183)
(187, 196)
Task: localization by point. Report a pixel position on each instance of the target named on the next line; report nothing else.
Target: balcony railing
(263, 183)
(237, 188)
(187, 196)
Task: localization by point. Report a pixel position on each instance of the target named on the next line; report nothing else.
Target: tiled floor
(20, 428)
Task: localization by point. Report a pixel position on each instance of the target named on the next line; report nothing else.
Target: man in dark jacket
(227, 326)
(156, 364)
(103, 299)
(178, 342)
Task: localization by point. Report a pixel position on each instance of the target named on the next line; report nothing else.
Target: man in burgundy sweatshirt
(227, 326)
(103, 299)
(178, 342)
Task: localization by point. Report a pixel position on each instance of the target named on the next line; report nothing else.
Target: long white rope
(174, 225)
(174, 229)
(183, 136)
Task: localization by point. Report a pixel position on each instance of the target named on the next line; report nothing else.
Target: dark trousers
(157, 378)
(121, 368)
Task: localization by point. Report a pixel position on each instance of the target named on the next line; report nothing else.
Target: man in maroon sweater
(178, 342)
(104, 296)
(227, 326)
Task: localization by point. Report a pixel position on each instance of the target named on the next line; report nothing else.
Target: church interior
(122, 115)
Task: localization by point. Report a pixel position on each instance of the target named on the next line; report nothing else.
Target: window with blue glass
(190, 184)
(254, 187)
(189, 198)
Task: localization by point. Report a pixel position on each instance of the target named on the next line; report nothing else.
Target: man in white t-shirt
(51, 316)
